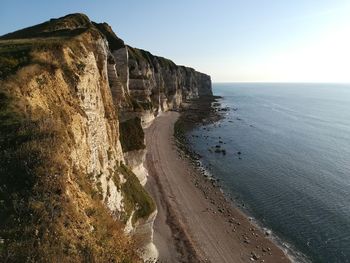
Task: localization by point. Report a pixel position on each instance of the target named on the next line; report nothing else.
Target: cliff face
(74, 100)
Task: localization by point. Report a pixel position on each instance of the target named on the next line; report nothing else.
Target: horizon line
(282, 82)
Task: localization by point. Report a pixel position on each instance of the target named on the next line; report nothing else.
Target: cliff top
(64, 26)
(15, 47)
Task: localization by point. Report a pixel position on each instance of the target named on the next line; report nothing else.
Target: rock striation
(97, 94)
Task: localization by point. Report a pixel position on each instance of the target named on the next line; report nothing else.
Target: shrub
(11, 59)
(136, 197)
(132, 136)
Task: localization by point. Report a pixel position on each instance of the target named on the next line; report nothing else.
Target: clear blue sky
(246, 40)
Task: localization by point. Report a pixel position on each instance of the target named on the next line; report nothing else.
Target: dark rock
(255, 256)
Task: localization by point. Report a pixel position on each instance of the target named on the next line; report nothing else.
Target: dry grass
(39, 221)
(49, 210)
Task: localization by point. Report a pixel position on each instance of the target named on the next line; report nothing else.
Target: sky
(231, 40)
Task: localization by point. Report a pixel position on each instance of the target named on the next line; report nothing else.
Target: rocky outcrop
(104, 93)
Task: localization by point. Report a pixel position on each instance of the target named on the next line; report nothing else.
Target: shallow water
(294, 171)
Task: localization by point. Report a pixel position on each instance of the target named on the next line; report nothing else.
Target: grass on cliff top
(68, 25)
(136, 198)
(114, 42)
(12, 57)
(167, 63)
(17, 53)
(16, 47)
(132, 136)
(140, 55)
(143, 55)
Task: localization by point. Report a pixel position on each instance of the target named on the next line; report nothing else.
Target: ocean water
(293, 174)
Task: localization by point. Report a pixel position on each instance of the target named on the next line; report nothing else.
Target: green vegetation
(135, 196)
(15, 54)
(167, 63)
(140, 55)
(16, 47)
(12, 57)
(146, 105)
(114, 42)
(67, 26)
(116, 180)
(132, 136)
(141, 105)
(143, 55)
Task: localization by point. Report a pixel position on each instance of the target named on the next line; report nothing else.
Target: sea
(287, 162)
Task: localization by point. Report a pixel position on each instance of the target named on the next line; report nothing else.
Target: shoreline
(288, 249)
(196, 221)
(213, 114)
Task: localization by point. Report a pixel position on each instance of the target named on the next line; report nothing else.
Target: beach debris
(224, 109)
(254, 255)
(231, 220)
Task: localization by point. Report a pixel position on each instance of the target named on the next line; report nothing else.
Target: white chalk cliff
(104, 93)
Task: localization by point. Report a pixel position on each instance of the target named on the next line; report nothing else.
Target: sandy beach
(195, 223)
